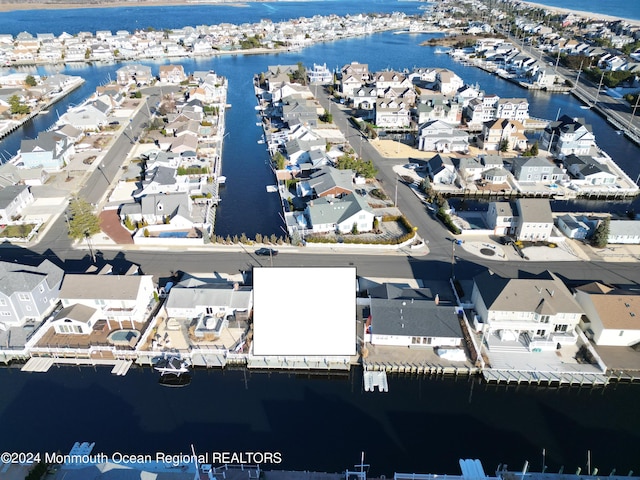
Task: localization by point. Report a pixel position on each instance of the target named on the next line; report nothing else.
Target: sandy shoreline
(8, 7)
(583, 14)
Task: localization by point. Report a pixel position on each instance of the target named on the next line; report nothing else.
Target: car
(267, 252)
(411, 166)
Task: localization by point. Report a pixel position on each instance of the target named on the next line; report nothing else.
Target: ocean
(616, 8)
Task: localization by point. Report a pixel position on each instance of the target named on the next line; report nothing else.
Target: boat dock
(373, 380)
(43, 364)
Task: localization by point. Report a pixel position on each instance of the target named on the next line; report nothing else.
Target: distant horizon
(613, 8)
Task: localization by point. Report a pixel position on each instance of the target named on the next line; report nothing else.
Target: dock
(44, 364)
(373, 380)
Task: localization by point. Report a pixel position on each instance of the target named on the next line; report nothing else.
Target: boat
(272, 188)
(221, 180)
(172, 365)
(173, 380)
(261, 142)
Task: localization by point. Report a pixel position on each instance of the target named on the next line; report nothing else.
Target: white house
(501, 218)
(328, 214)
(612, 315)
(535, 219)
(538, 313)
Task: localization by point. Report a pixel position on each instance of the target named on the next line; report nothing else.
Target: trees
(504, 145)
(326, 117)
(30, 81)
(279, 161)
(601, 235)
(17, 107)
(83, 222)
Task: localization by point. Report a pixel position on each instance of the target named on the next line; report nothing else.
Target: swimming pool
(173, 234)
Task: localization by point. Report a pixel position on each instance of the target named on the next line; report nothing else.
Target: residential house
(341, 215)
(536, 169)
(447, 82)
(587, 170)
(89, 116)
(438, 107)
(407, 317)
(535, 219)
(537, 313)
(319, 75)
(364, 97)
(135, 73)
(441, 170)
(574, 226)
(568, 136)
(469, 168)
(155, 209)
(27, 293)
(173, 74)
(624, 231)
(440, 136)
(513, 109)
(75, 319)
(49, 151)
(355, 69)
(326, 182)
(298, 151)
(391, 79)
(501, 218)
(392, 113)
(495, 132)
(612, 314)
(13, 199)
(481, 110)
(117, 298)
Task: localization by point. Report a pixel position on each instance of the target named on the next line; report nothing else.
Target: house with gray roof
(13, 199)
(50, 151)
(76, 319)
(441, 169)
(529, 313)
(422, 317)
(568, 136)
(327, 182)
(575, 226)
(443, 137)
(118, 298)
(587, 170)
(536, 169)
(90, 116)
(328, 214)
(535, 219)
(134, 73)
(155, 209)
(27, 293)
(624, 231)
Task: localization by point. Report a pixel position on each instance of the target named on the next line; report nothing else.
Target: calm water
(420, 425)
(616, 8)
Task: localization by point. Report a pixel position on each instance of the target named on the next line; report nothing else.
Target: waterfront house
(624, 231)
(298, 151)
(357, 70)
(586, 170)
(340, 215)
(326, 182)
(408, 317)
(10, 174)
(173, 74)
(535, 220)
(390, 79)
(76, 319)
(304, 331)
(501, 218)
(90, 116)
(612, 315)
(319, 75)
(118, 298)
(300, 111)
(536, 169)
(136, 74)
(480, 110)
(49, 151)
(496, 175)
(443, 137)
(568, 136)
(392, 113)
(441, 170)
(513, 109)
(528, 314)
(447, 82)
(27, 293)
(469, 168)
(438, 107)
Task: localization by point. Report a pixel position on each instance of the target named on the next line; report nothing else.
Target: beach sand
(583, 14)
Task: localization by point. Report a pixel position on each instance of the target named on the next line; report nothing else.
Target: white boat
(261, 141)
(172, 365)
(272, 188)
(221, 180)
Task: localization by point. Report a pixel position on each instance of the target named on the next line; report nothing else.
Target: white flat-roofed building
(314, 326)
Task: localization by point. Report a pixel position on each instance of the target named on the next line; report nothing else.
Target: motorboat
(172, 365)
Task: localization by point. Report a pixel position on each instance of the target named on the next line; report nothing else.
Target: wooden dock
(373, 380)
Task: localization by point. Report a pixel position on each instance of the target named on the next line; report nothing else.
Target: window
(3, 302)
(41, 288)
(5, 314)
(541, 333)
(561, 328)
(621, 333)
(24, 297)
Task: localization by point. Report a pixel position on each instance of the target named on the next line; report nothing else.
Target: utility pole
(633, 112)
(599, 87)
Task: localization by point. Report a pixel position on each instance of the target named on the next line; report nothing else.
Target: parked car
(266, 252)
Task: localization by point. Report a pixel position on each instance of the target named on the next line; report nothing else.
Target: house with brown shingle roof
(612, 314)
